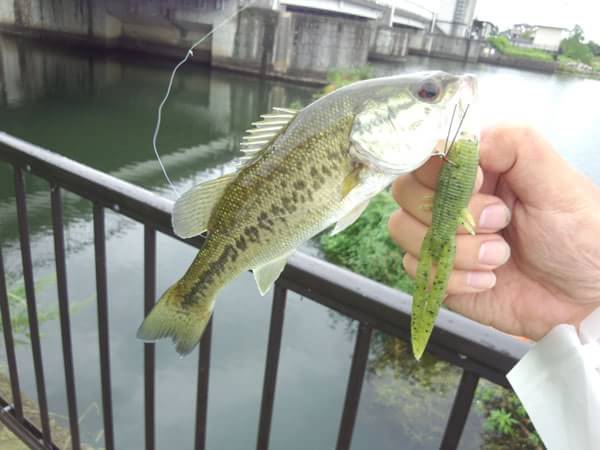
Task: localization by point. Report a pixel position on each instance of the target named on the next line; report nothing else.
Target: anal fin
(266, 275)
(350, 218)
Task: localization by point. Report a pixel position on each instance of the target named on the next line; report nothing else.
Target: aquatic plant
(17, 301)
(506, 423)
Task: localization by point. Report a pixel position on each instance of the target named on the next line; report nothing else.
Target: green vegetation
(17, 302)
(341, 77)
(365, 247)
(20, 328)
(506, 424)
(574, 48)
(504, 46)
(579, 57)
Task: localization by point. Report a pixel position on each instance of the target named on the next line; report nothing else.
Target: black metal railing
(480, 351)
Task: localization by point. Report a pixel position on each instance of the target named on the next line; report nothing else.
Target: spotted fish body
(453, 192)
(305, 172)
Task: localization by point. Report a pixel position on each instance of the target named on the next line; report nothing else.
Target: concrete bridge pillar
(389, 44)
(292, 44)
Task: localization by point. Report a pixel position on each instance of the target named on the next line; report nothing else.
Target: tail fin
(427, 300)
(183, 321)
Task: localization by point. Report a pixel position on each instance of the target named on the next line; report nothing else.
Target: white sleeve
(558, 382)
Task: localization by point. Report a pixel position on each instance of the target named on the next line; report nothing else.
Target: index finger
(429, 172)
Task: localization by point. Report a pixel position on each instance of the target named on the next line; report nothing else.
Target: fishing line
(449, 130)
(181, 63)
(459, 125)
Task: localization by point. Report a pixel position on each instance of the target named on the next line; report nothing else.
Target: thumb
(527, 163)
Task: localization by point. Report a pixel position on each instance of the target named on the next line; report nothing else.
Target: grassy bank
(572, 66)
(504, 46)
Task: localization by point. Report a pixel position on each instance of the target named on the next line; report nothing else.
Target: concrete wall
(74, 17)
(250, 46)
(145, 26)
(441, 46)
(389, 44)
(322, 43)
(292, 45)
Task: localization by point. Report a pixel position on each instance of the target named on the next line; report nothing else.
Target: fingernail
(494, 253)
(481, 280)
(494, 217)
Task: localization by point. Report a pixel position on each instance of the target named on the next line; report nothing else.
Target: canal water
(100, 110)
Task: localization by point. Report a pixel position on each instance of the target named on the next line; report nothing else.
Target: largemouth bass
(303, 172)
(453, 192)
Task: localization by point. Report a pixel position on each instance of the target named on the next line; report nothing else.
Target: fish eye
(429, 91)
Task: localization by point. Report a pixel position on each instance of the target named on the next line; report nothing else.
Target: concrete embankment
(277, 43)
(283, 43)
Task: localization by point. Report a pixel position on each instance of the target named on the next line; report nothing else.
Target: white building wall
(548, 38)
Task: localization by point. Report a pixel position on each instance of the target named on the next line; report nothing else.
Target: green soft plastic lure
(454, 189)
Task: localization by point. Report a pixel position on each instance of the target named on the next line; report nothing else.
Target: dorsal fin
(265, 131)
(192, 210)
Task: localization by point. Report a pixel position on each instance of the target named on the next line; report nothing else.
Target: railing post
(103, 336)
(9, 344)
(355, 382)
(63, 305)
(202, 389)
(149, 349)
(34, 330)
(271, 366)
(460, 410)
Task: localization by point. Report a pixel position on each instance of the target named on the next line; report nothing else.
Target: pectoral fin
(350, 218)
(192, 210)
(351, 181)
(266, 275)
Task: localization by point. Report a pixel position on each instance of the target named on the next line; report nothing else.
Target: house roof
(551, 28)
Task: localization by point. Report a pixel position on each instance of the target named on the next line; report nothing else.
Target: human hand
(530, 201)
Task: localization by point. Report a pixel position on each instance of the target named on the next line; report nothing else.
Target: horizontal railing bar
(23, 428)
(358, 368)
(63, 305)
(106, 190)
(456, 339)
(460, 410)
(9, 344)
(28, 281)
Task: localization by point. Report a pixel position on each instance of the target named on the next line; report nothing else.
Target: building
(482, 29)
(548, 38)
(455, 17)
(542, 37)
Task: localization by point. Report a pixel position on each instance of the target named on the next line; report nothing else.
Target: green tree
(594, 48)
(574, 48)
